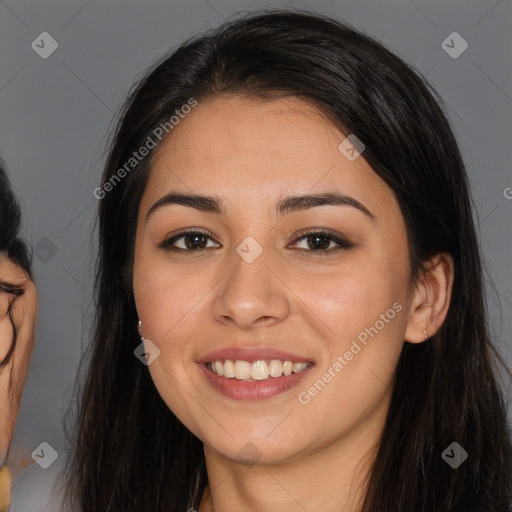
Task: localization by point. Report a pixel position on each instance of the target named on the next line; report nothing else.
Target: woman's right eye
(187, 241)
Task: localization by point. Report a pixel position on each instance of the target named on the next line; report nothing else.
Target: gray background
(55, 116)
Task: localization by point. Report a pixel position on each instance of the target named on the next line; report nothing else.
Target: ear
(430, 299)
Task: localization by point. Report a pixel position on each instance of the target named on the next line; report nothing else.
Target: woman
(18, 305)
(290, 311)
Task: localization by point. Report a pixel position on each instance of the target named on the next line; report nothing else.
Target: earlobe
(431, 299)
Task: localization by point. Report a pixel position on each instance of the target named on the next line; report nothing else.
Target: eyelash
(13, 289)
(342, 244)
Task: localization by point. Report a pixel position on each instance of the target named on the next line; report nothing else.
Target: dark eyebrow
(298, 203)
(290, 204)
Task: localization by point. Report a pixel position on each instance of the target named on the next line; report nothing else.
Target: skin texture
(24, 311)
(251, 153)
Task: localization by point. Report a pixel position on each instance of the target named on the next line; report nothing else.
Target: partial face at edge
(14, 374)
(250, 154)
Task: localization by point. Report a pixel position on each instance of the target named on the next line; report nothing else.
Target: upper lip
(251, 354)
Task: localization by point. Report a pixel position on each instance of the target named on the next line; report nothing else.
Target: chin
(251, 450)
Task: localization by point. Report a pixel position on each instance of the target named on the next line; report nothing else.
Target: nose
(252, 295)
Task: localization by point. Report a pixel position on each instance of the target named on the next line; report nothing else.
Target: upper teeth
(258, 370)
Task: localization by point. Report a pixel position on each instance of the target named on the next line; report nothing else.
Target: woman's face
(251, 283)
(23, 310)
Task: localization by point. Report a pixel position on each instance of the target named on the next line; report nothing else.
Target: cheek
(162, 300)
(170, 304)
(359, 317)
(350, 299)
(358, 311)
(166, 305)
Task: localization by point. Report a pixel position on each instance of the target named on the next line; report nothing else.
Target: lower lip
(257, 390)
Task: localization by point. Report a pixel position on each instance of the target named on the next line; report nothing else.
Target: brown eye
(320, 242)
(187, 241)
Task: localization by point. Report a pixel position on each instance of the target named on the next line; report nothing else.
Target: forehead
(245, 149)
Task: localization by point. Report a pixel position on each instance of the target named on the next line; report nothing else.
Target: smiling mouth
(255, 371)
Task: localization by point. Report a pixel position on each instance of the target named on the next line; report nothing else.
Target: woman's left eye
(318, 242)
